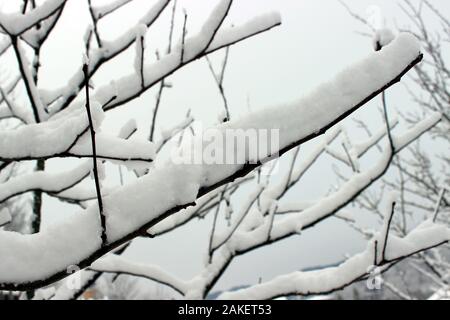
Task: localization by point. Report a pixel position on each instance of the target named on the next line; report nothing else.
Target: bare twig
(438, 204)
(213, 230)
(95, 24)
(94, 158)
(386, 234)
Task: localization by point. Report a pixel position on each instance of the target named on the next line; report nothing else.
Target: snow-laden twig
(220, 239)
(203, 204)
(170, 63)
(389, 214)
(67, 135)
(219, 81)
(170, 133)
(36, 37)
(139, 59)
(106, 9)
(29, 80)
(44, 181)
(361, 148)
(111, 263)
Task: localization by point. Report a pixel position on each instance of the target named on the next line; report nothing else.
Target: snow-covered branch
(66, 135)
(360, 148)
(35, 37)
(425, 236)
(44, 181)
(99, 56)
(170, 63)
(25, 69)
(112, 263)
(106, 9)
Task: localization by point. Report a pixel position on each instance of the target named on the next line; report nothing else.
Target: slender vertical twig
(141, 62)
(402, 195)
(271, 220)
(386, 235)
(213, 230)
(183, 37)
(95, 24)
(24, 6)
(386, 119)
(163, 84)
(219, 81)
(23, 72)
(375, 262)
(350, 160)
(121, 175)
(94, 156)
(88, 38)
(172, 25)
(438, 204)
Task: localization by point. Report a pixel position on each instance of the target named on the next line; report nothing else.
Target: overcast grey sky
(317, 39)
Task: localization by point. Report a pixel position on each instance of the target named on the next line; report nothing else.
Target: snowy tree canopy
(67, 123)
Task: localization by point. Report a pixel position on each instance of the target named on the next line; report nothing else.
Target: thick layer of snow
(128, 129)
(326, 103)
(49, 182)
(5, 217)
(67, 134)
(82, 193)
(135, 204)
(105, 9)
(383, 37)
(111, 147)
(36, 36)
(17, 23)
(48, 138)
(114, 262)
(441, 294)
(229, 35)
(201, 41)
(54, 249)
